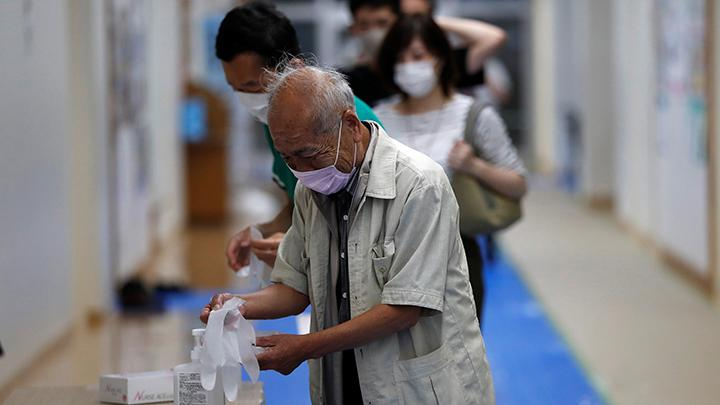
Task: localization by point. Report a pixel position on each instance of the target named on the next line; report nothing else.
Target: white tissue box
(137, 388)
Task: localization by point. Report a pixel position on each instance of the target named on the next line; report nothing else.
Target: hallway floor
(642, 335)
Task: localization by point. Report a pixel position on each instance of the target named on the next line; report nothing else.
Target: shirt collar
(380, 163)
(378, 167)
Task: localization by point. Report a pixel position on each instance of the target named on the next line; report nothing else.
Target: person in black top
(373, 18)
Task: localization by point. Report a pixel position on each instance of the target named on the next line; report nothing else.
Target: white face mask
(416, 79)
(371, 41)
(329, 179)
(256, 103)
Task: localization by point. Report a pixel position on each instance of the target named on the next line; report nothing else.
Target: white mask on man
(416, 79)
(256, 103)
(371, 40)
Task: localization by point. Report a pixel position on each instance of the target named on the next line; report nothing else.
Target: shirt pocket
(428, 379)
(382, 255)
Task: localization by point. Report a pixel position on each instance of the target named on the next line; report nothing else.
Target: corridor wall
(56, 251)
(662, 183)
(35, 182)
(634, 87)
(165, 83)
(604, 113)
(544, 135)
(571, 100)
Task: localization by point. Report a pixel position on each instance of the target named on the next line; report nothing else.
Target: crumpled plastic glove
(228, 347)
(257, 268)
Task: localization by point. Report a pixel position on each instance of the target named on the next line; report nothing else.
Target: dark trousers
(475, 268)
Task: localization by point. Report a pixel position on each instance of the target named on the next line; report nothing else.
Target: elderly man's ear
(352, 122)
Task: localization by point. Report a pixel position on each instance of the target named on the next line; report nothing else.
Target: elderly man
(374, 247)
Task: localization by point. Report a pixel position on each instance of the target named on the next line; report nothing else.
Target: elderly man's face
(301, 148)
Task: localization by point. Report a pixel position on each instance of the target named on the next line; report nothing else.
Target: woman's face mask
(330, 179)
(256, 103)
(416, 79)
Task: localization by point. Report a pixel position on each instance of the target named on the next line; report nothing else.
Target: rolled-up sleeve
(417, 275)
(290, 265)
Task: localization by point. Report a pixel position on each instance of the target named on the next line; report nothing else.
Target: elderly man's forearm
(380, 321)
(275, 301)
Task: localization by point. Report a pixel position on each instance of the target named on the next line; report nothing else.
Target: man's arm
(280, 223)
(240, 245)
(275, 301)
(380, 321)
(285, 352)
(272, 302)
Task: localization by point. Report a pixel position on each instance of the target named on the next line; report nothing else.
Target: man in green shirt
(252, 41)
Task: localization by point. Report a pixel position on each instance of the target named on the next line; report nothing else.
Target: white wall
(54, 163)
(661, 187)
(164, 98)
(35, 183)
(199, 11)
(716, 151)
(604, 70)
(580, 79)
(544, 126)
(88, 130)
(567, 80)
(150, 204)
(681, 135)
(596, 98)
(634, 86)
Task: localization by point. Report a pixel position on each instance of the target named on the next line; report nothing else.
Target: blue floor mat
(530, 362)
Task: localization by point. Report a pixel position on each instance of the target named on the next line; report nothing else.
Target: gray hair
(327, 91)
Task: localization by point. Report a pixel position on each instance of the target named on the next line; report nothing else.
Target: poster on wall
(129, 132)
(682, 130)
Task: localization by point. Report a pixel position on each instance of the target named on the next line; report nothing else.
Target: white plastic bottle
(188, 389)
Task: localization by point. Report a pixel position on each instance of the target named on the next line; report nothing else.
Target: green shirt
(281, 172)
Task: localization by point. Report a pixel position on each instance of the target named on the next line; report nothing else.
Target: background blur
(126, 163)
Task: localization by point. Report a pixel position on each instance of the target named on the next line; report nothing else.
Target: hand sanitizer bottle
(188, 389)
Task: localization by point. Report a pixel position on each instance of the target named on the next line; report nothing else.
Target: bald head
(310, 97)
(312, 119)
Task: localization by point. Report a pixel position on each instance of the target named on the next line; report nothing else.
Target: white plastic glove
(228, 346)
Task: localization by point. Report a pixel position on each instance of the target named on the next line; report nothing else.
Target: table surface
(277, 389)
(88, 395)
(76, 395)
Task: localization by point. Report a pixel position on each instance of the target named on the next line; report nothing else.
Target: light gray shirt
(404, 249)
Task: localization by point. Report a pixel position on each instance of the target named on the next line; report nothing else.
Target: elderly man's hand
(216, 302)
(267, 249)
(283, 353)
